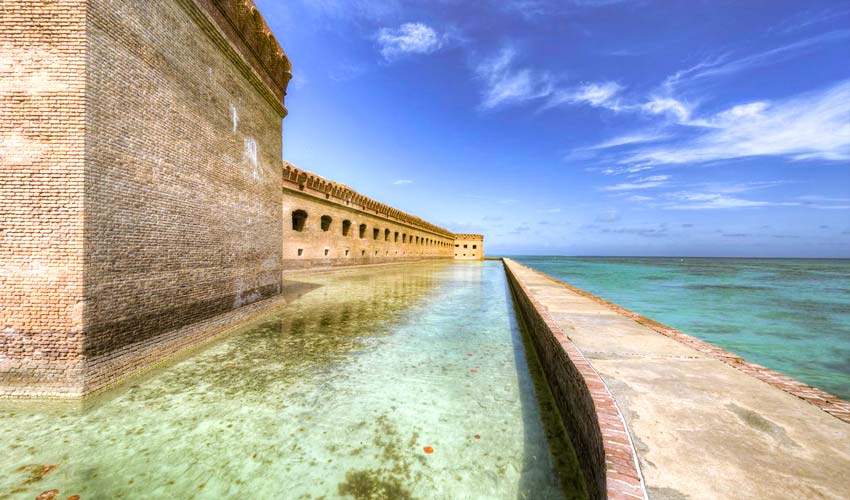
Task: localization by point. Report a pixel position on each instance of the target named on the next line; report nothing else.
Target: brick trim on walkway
(622, 477)
(827, 402)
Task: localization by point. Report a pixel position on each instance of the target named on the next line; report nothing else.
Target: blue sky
(584, 127)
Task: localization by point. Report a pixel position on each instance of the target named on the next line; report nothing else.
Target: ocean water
(790, 315)
(389, 383)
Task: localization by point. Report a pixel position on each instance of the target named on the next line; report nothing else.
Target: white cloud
(409, 38)
(402, 181)
(601, 94)
(723, 65)
(643, 183)
(506, 84)
(640, 198)
(667, 106)
(685, 200)
(628, 140)
(815, 125)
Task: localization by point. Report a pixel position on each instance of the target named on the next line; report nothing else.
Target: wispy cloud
(402, 181)
(409, 38)
(644, 183)
(628, 140)
(667, 106)
(600, 94)
(685, 200)
(725, 64)
(814, 125)
(505, 84)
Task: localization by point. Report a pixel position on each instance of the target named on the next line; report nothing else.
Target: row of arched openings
(299, 223)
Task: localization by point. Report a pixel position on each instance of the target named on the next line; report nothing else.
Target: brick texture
(42, 164)
(589, 412)
(330, 235)
(141, 174)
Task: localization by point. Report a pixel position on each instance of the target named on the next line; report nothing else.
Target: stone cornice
(297, 179)
(247, 40)
(469, 237)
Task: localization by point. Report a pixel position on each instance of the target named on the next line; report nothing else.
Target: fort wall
(146, 189)
(42, 179)
(145, 206)
(329, 224)
(469, 247)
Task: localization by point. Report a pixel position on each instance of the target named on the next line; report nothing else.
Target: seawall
(695, 425)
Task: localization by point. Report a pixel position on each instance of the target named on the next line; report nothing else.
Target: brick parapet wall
(299, 180)
(324, 244)
(827, 402)
(593, 421)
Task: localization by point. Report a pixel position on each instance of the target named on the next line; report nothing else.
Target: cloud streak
(644, 183)
(409, 38)
(723, 65)
(815, 125)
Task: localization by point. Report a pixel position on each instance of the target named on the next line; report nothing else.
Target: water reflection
(398, 382)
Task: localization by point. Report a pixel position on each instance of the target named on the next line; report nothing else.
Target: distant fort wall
(469, 247)
(141, 146)
(329, 224)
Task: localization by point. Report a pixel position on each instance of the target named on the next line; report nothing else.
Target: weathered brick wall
(469, 247)
(329, 224)
(141, 146)
(324, 245)
(42, 126)
(588, 411)
(183, 179)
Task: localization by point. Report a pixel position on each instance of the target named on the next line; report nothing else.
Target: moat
(391, 382)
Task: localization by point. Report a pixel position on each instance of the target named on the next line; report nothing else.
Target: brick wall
(330, 235)
(588, 411)
(468, 247)
(141, 177)
(42, 126)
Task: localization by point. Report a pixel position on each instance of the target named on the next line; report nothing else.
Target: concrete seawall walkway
(701, 428)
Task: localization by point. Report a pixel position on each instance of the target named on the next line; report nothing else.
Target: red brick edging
(827, 402)
(607, 440)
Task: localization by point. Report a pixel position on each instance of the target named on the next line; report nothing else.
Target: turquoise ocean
(791, 315)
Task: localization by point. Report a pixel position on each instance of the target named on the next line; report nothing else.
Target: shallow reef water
(791, 315)
(397, 382)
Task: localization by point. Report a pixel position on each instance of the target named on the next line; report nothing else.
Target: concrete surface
(702, 429)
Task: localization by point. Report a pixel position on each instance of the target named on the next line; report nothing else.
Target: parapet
(469, 237)
(246, 29)
(298, 179)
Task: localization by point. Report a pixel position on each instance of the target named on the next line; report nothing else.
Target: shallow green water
(790, 315)
(335, 395)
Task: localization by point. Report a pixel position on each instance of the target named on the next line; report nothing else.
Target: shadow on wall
(566, 464)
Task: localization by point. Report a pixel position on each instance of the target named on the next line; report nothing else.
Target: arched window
(395, 238)
(404, 238)
(362, 231)
(299, 219)
(375, 233)
(387, 234)
(346, 227)
(326, 222)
